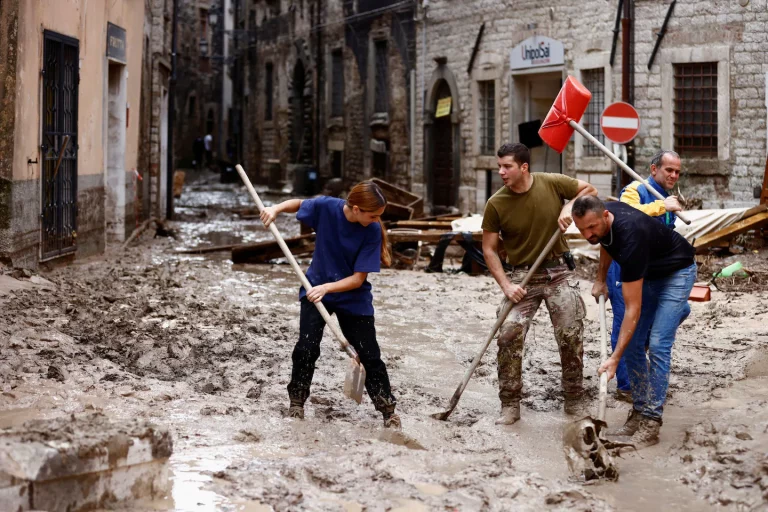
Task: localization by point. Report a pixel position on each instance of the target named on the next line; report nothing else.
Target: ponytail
(368, 197)
(386, 254)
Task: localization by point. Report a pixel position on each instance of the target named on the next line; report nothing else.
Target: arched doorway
(301, 116)
(442, 149)
(444, 188)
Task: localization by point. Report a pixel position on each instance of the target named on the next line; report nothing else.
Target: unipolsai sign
(537, 51)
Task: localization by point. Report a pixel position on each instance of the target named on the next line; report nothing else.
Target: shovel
(354, 383)
(586, 449)
(563, 119)
(500, 320)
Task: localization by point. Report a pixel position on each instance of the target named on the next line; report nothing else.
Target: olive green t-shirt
(526, 221)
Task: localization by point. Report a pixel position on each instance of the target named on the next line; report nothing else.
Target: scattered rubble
(202, 347)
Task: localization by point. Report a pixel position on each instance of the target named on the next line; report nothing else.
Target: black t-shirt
(643, 246)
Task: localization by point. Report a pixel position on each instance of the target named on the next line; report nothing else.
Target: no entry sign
(620, 122)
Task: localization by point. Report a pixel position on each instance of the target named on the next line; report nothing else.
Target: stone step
(82, 462)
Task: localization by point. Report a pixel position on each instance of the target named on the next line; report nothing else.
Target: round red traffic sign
(620, 122)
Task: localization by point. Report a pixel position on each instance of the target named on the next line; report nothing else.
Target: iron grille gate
(61, 79)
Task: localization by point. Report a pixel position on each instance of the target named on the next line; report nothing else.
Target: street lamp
(213, 16)
(204, 46)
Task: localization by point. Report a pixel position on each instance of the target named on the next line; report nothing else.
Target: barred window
(594, 81)
(268, 92)
(381, 103)
(337, 84)
(696, 109)
(487, 90)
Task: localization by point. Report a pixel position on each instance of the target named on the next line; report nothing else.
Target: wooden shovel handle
(603, 356)
(576, 126)
(297, 269)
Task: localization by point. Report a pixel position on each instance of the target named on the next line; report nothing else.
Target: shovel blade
(571, 103)
(354, 382)
(442, 416)
(587, 452)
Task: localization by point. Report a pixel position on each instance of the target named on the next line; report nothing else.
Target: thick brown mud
(202, 347)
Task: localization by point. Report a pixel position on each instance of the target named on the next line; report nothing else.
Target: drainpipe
(424, 8)
(616, 31)
(171, 114)
(413, 124)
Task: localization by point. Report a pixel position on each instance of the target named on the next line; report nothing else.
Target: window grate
(696, 109)
(381, 103)
(61, 79)
(487, 90)
(594, 81)
(337, 84)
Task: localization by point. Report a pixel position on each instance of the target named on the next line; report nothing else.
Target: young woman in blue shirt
(350, 242)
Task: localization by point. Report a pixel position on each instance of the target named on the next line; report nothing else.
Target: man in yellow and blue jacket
(665, 171)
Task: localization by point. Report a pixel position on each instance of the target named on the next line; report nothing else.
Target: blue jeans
(664, 308)
(617, 304)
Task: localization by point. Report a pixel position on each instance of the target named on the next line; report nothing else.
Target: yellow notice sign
(443, 107)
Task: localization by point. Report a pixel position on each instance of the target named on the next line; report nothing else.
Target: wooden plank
(432, 236)
(418, 207)
(397, 212)
(206, 249)
(395, 194)
(706, 241)
(268, 254)
(445, 217)
(754, 211)
(422, 224)
(263, 252)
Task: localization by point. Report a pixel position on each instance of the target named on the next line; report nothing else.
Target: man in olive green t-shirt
(525, 213)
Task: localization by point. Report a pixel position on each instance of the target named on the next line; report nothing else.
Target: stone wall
(8, 53)
(158, 17)
(737, 37)
(287, 37)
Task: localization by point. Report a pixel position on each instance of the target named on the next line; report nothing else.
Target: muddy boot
(647, 433)
(630, 426)
(576, 406)
(392, 420)
(296, 410)
(510, 413)
(624, 396)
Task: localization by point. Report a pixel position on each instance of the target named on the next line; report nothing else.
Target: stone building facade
(502, 64)
(70, 74)
(329, 91)
(155, 85)
(199, 84)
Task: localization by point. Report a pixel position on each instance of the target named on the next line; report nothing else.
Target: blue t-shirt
(341, 249)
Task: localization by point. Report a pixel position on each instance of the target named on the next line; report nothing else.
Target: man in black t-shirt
(657, 274)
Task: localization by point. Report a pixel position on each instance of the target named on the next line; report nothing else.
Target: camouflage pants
(566, 310)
